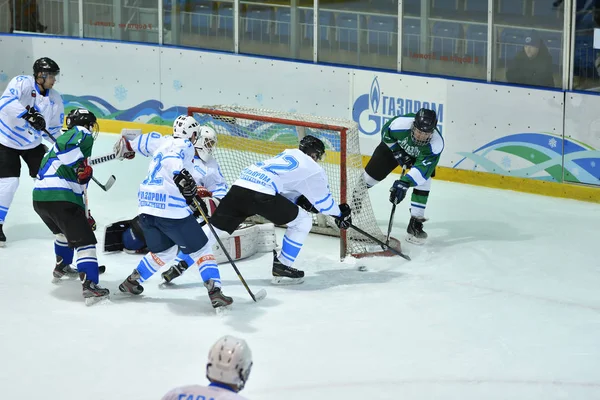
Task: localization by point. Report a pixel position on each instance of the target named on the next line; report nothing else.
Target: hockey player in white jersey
(271, 189)
(166, 218)
(228, 368)
(28, 105)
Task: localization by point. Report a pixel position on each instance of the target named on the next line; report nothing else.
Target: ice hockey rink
(502, 303)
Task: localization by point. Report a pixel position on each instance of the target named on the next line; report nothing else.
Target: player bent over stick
(58, 200)
(166, 219)
(411, 141)
(270, 189)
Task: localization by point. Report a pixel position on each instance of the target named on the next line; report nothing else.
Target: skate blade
(2, 244)
(90, 301)
(282, 280)
(223, 310)
(414, 240)
(58, 281)
(165, 285)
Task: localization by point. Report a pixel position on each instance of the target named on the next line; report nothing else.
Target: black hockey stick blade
(109, 183)
(379, 242)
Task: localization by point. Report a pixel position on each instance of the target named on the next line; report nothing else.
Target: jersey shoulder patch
(437, 143)
(401, 123)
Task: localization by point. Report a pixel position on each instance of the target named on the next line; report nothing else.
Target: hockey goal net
(247, 135)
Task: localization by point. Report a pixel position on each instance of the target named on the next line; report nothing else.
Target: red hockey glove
(203, 192)
(91, 221)
(84, 172)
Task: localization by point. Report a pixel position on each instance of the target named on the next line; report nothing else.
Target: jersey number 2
(151, 179)
(289, 163)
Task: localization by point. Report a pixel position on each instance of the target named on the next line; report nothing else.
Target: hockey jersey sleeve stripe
(15, 133)
(177, 198)
(11, 138)
(322, 210)
(7, 102)
(177, 205)
(325, 198)
(3, 208)
(70, 157)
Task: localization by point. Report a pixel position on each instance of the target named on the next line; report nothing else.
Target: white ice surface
(502, 303)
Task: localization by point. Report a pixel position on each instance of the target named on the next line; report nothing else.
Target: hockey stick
(262, 293)
(109, 183)
(102, 159)
(379, 242)
(391, 222)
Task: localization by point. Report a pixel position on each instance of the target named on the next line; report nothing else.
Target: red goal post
(247, 135)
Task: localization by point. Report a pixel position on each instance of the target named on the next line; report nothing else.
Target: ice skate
(416, 234)
(63, 271)
(2, 237)
(217, 298)
(174, 271)
(93, 293)
(284, 275)
(131, 284)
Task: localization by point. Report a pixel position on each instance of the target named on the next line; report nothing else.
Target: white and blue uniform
(292, 173)
(18, 136)
(165, 217)
(214, 391)
(22, 92)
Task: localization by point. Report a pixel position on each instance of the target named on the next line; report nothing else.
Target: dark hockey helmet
(423, 126)
(45, 65)
(82, 117)
(312, 146)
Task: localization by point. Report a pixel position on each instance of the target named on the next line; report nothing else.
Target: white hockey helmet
(206, 143)
(186, 127)
(229, 362)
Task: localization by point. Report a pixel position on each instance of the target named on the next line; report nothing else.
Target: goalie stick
(262, 293)
(109, 183)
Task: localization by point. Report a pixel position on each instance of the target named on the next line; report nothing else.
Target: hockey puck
(362, 268)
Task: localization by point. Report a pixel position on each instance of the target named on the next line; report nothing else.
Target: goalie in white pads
(270, 189)
(166, 218)
(228, 368)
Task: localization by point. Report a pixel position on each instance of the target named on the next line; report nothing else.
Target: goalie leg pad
(113, 236)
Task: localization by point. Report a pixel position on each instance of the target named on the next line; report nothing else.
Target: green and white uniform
(396, 135)
(57, 177)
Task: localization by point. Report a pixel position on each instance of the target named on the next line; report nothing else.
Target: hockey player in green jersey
(58, 200)
(411, 141)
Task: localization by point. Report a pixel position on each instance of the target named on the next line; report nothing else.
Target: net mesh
(247, 136)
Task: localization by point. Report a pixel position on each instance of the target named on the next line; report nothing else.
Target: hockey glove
(186, 185)
(84, 172)
(123, 150)
(35, 119)
(398, 191)
(305, 204)
(91, 221)
(204, 192)
(403, 159)
(344, 220)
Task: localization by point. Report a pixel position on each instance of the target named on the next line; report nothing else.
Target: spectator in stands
(532, 65)
(24, 16)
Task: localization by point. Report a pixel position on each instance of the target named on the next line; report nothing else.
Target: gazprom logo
(372, 110)
(375, 95)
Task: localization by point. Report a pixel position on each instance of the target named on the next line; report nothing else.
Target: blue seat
(585, 5)
(511, 41)
(512, 7)
(584, 55)
(445, 5)
(225, 18)
(347, 27)
(544, 8)
(476, 6)
(326, 22)
(258, 21)
(202, 18)
(585, 20)
(476, 41)
(411, 36)
(381, 32)
(283, 20)
(445, 37)
(553, 41)
(412, 5)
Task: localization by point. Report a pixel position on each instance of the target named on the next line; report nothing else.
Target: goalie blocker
(245, 241)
